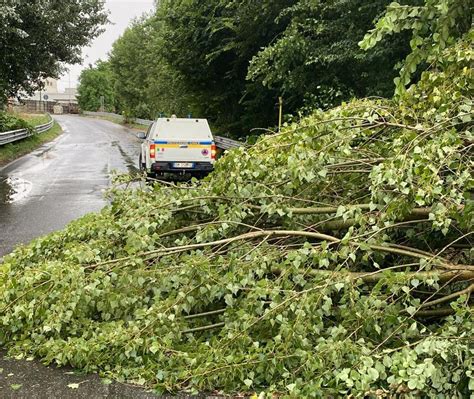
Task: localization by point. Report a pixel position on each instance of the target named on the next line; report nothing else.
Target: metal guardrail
(144, 122)
(116, 116)
(221, 142)
(15, 135)
(226, 143)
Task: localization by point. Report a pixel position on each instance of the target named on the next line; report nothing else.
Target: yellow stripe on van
(184, 145)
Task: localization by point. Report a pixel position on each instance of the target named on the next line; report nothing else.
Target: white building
(51, 92)
(51, 86)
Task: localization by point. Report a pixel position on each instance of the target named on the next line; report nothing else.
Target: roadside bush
(9, 122)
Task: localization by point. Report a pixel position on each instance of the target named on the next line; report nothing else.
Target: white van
(178, 146)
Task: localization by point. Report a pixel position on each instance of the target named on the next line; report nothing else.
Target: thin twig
(204, 328)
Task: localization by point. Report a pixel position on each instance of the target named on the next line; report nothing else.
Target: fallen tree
(333, 258)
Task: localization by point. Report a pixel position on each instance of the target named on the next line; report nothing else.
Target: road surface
(63, 180)
(42, 192)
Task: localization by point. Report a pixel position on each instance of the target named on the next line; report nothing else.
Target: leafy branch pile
(333, 258)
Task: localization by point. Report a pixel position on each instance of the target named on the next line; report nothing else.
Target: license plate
(183, 165)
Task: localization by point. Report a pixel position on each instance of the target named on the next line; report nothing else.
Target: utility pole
(69, 91)
(280, 112)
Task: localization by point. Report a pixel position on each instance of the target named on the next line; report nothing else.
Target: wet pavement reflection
(13, 189)
(63, 180)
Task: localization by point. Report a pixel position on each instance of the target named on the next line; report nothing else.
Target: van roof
(182, 129)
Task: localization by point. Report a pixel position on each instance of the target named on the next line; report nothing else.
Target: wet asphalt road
(63, 180)
(42, 192)
(31, 380)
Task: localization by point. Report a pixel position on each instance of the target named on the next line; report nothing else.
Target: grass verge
(11, 151)
(33, 119)
(135, 126)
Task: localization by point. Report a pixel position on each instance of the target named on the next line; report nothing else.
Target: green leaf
(339, 286)
(291, 387)
(411, 310)
(471, 384)
(248, 382)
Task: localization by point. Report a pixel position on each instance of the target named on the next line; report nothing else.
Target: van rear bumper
(167, 167)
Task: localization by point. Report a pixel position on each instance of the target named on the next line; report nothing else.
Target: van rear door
(184, 142)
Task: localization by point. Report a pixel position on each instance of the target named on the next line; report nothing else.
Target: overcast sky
(122, 12)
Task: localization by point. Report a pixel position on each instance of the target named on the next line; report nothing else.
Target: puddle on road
(13, 189)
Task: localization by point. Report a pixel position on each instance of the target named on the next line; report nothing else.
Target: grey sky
(122, 12)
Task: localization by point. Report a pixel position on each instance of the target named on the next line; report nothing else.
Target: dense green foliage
(229, 61)
(200, 70)
(96, 82)
(37, 37)
(210, 45)
(434, 25)
(317, 62)
(332, 259)
(144, 84)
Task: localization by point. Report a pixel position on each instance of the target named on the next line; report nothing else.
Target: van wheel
(201, 175)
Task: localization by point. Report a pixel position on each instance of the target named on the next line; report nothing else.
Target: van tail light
(152, 150)
(213, 151)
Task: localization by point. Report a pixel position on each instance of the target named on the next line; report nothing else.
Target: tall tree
(145, 83)
(96, 82)
(38, 37)
(129, 68)
(210, 43)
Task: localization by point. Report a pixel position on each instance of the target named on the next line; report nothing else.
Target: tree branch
(447, 298)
